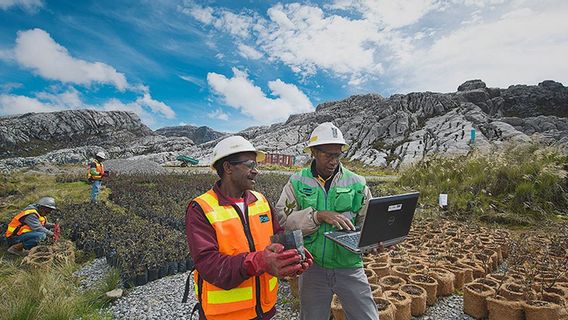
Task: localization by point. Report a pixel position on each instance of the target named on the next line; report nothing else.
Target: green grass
(17, 190)
(50, 294)
(366, 170)
(32, 294)
(521, 186)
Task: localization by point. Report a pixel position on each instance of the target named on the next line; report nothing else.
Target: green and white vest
(346, 194)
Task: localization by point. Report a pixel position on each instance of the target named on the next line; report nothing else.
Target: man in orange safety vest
(228, 231)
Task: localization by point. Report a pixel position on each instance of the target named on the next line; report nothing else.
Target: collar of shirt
(325, 183)
(225, 200)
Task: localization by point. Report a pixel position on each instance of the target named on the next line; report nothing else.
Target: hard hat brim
(260, 156)
(308, 149)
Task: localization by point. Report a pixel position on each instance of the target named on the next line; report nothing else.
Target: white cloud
(312, 41)
(519, 13)
(236, 24)
(15, 104)
(42, 102)
(9, 86)
(36, 50)
(408, 45)
(117, 105)
(307, 39)
(30, 6)
(218, 114)
(518, 48)
(156, 106)
(145, 106)
(195, 80)
(482, 3)
(249, 52)
(391, 14)
(204, 15)
(6, 55)
(240, 93)
(69, 99)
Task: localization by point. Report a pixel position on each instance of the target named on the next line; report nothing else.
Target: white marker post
(443, 200)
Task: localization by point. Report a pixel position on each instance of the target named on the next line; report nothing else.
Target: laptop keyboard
(351, 239)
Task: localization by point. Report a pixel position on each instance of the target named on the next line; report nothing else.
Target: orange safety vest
(255, 293)
(17, 225)
(100, 171)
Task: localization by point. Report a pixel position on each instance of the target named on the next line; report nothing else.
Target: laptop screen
(388, 218)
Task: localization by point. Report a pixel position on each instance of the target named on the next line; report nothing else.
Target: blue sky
(234, 64)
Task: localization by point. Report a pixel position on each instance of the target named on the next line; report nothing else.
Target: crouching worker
(228, 231)
(29, 227)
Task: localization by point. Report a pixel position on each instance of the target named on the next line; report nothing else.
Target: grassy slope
(523, 186)
(36, 294)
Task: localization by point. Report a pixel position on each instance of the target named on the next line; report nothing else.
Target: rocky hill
(390, 131)
(403, 129)
(76, 135)
(197, 134)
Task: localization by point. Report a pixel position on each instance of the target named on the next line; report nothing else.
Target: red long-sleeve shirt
(224, 271)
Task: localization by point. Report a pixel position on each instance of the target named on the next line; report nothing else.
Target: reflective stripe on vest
(18, 226)
(100, 171)
(240, 302)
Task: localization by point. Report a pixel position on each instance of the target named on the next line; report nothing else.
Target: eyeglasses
(251, 164)
(331, 155)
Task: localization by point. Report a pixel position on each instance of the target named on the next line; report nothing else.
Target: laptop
(388, 221)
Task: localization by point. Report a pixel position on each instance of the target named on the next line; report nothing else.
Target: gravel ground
(161, 299)
(92, 272)
(447, 308)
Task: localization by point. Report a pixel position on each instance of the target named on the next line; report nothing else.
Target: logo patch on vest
(307, 190)
(264, 218)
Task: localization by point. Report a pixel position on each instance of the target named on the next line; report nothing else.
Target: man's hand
(336, 219)
(274, 260)
(307, 263)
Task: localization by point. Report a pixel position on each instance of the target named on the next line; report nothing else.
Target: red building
(279, 159)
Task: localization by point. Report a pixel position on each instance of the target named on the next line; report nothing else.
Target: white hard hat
(101, 155)
(326, 133)
(47, 202)
(232, 145)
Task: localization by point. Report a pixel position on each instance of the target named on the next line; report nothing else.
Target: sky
(231, 65)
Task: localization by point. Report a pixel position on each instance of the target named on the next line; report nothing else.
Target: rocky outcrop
(197, 134)
(37, 133)
(76, 135)
(403, 129)
(393, 131)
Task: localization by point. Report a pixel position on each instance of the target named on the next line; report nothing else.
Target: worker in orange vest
(96, 173)
(228, 231)
(29, 227)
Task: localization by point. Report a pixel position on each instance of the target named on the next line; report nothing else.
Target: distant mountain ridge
(401, 129)
(197, 134)
(73, 136)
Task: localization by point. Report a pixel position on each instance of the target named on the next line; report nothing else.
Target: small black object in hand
(291, 240)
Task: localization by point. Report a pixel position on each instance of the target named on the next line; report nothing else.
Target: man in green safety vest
(323, 197)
